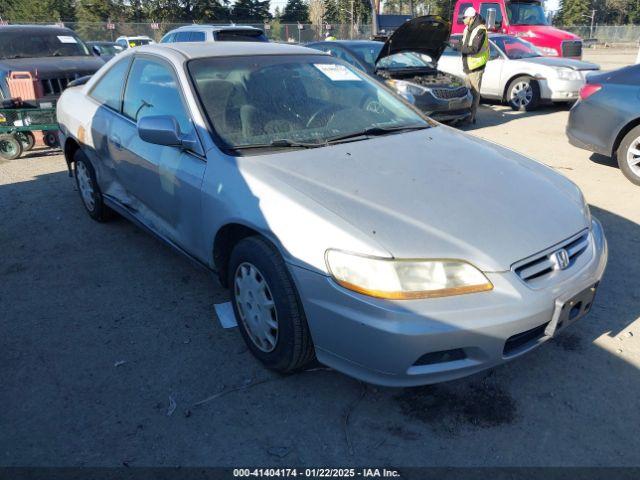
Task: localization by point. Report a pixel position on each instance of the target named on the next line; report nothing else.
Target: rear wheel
(27, 139)
(10, 147)
(267, 307)
(523, 94)
(89, 189)
(629, 155)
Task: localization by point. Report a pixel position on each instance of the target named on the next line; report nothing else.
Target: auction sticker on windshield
(66, 39)
(337, 73)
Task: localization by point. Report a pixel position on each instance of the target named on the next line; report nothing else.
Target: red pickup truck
(525, 19)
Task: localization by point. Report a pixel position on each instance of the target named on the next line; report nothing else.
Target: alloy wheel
(633, 156)
(86, 186)
(522, 94)
(256, 307)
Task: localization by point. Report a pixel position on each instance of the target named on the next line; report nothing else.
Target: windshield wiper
(374, 131)
(279, 143)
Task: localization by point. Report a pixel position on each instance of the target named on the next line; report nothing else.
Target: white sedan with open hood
(519, 74)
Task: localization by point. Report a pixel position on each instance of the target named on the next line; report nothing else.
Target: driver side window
(152, 89)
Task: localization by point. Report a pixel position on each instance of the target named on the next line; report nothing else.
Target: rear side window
(108, 90)
(182, 37)
(462, 7)
(484, 11)
(240, 36)
(197, 37)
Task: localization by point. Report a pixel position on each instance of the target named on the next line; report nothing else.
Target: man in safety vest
(475, 54)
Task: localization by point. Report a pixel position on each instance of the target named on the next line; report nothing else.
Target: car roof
(216, 27)
(134, 37)
(349, 43)
(36, 28)
(226, 49)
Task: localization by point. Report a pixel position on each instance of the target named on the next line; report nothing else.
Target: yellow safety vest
(481, 58)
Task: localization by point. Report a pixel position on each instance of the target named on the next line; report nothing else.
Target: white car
(519, 74)
(131, 42)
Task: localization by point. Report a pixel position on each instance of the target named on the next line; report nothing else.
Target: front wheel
(27, 139)
(523, 94)
(629, 155)
(267, 307)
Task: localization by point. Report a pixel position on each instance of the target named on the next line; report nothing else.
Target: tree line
(184, 11)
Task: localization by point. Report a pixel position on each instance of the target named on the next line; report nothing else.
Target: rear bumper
(405, 343)
(586, 129)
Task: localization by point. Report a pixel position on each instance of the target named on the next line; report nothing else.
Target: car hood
(564, 63)
(427, 35)
(437, 193)
(545, 31)
(52, 67)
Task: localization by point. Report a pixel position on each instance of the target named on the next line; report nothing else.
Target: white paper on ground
(225, 314)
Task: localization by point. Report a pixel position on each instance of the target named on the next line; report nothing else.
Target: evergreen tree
(573, 12)
(295, 11)
(256, 11)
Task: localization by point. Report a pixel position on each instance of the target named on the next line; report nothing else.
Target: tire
(255, 262)
(628, 155)
(27, 139)
(10, 147)
(51, 139)
(523, 94)
(88, 188)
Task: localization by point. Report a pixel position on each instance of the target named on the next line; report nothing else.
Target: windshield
(367, 52)
(16, 44)
(240, 36)
(526, 14)
(137, 42)
(106, 49)
(256, 101)
(405, 60)
(516, 48)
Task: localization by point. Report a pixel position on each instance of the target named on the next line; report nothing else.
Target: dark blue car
(606, 119)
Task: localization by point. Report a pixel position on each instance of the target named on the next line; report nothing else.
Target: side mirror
(95, 50)
(165, 130)
(491, 19)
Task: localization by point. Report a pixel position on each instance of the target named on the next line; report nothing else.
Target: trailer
(17, 127)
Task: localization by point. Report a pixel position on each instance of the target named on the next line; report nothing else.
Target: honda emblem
(560, 259)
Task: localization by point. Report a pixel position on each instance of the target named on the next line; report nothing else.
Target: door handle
(115, 140)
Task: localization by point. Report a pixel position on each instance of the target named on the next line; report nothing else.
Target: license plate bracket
(569, 310)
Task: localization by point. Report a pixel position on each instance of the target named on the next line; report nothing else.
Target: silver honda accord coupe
(347, 226)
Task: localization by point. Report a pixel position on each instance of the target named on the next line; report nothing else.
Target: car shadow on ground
(491, 114)
(604, 160)
(112, 355)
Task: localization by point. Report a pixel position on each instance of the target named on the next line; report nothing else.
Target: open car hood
(427, 35)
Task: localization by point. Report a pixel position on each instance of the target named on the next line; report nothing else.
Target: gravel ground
(109, 341)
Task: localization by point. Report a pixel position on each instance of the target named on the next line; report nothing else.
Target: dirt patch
(479, 405)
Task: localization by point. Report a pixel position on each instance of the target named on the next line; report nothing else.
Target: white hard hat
(469, 12)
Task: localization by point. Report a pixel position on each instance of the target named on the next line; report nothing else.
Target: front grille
(449, 93)
(523, 341)
(572, 48)
(56, 85)
(543, 265)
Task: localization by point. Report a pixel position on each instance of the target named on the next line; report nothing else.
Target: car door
(491, 80)
(160, 185)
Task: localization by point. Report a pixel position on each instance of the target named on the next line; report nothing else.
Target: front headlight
(568, 74)
(549, 52)
(407, 88)
(405, 279)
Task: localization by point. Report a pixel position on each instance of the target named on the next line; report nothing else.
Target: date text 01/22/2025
(316, 472)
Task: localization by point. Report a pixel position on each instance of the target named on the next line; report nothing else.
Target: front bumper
(557, 90)
(401, 343)
(444, 110)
